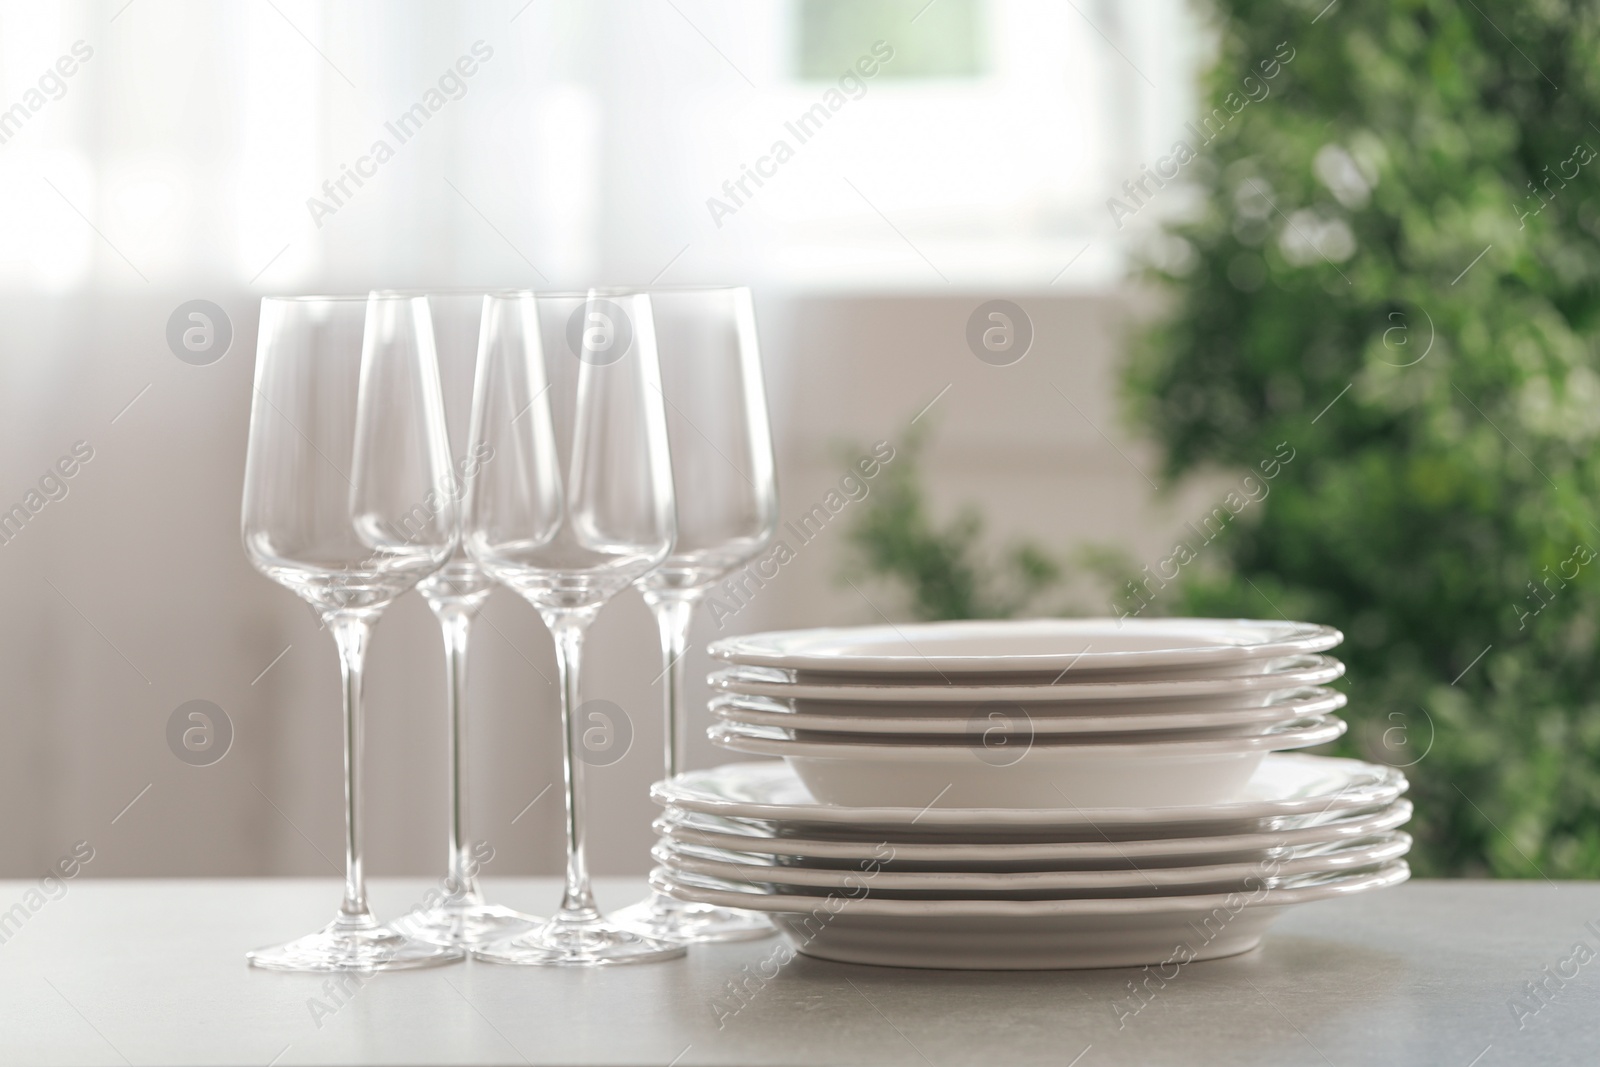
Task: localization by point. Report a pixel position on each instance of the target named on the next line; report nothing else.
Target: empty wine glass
(576, 505)
(722, 471)
(454, 593)
(347, 502)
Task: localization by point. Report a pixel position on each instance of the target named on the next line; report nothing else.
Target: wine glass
(576, 506)
(347, 502)
(722, 471)
(454, 593)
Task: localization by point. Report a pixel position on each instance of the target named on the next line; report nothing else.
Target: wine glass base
(589, 941)
(340, 947)
(468, 925)
(667, 919)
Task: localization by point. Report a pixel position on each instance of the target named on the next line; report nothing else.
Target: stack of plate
(1052, 793)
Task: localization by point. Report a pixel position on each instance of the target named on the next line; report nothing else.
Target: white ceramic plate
(1254, 690)
(1031, 934)
(1284, 787)
(1008, 770)
(953, 719)
(1028, 646)
(734, 867)
(715, 832)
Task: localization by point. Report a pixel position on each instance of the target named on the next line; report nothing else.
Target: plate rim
(1322, 670)
(1361, 824)
(1390, 874)
(1383, 847)
(1298, 637)
(1384, 785)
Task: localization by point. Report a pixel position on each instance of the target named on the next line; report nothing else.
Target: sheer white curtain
(235, 143)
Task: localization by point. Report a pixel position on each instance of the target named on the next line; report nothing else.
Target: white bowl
(1009, 772)
(1288, 789)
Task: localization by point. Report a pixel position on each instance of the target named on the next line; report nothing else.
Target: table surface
(144, 971)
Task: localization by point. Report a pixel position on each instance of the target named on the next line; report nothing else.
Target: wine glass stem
(673, 611)
(568, 628)
(351, 631)
(455, 622)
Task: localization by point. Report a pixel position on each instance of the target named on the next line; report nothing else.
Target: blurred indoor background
(224, 151)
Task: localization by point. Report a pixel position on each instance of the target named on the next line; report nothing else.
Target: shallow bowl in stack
(1038, 713)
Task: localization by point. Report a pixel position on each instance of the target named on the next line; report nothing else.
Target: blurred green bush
(1394, 269)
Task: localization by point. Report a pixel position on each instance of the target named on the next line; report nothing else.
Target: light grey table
(153, 972)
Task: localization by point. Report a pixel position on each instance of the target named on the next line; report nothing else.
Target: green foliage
(1401, 140)
(943, 40)
(942, 567)
(1444, 408)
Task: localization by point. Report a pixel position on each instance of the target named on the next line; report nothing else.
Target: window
(949, 42)
(902, 144)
